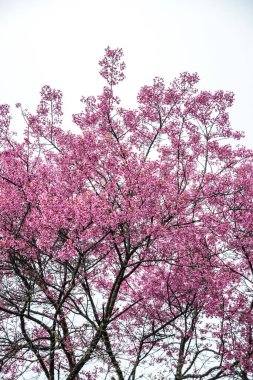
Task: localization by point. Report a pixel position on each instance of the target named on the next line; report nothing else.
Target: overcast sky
(59, 42)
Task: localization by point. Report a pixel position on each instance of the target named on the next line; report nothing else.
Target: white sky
(59, 42)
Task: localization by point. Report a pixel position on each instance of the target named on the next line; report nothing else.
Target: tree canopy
(126, 248)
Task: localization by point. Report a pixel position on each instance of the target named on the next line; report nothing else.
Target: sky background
(60, 42)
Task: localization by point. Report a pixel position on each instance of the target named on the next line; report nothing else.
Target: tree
(126, 249)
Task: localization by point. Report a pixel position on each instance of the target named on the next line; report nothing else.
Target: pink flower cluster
(128, 246)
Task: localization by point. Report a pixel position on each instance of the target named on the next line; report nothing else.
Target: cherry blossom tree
(126, 248)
